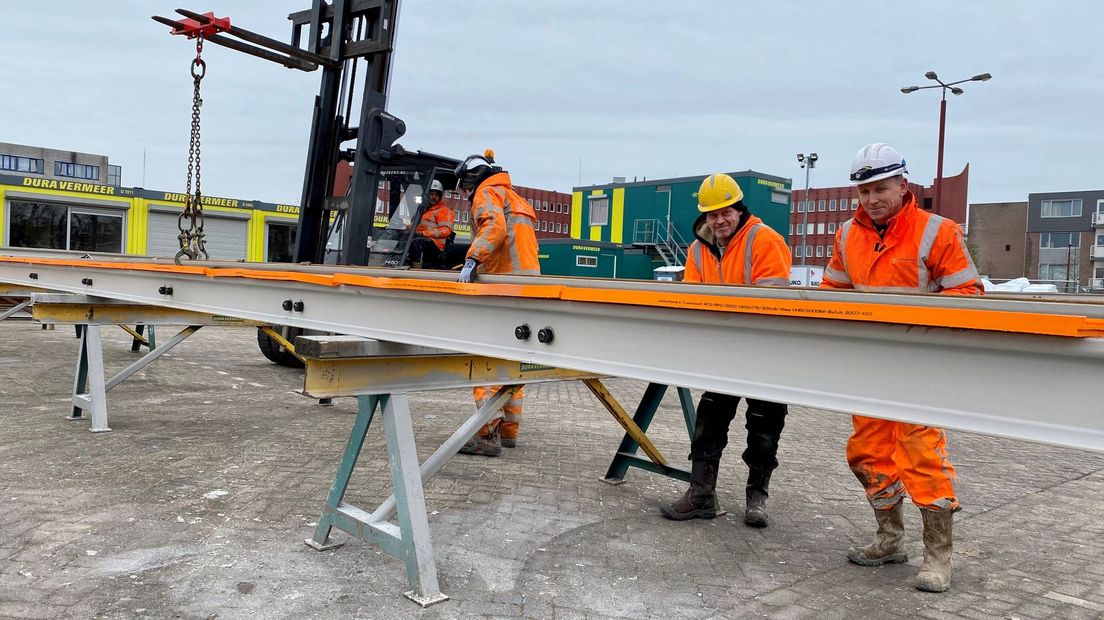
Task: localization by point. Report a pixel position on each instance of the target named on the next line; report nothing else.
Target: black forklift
(374, 222)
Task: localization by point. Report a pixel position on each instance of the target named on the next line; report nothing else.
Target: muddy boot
(935, 572)
(755, 515)
(887, 547)
(508, 442)
(483, 445)
(700, 500)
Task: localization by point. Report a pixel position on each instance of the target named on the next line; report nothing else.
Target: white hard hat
(436, 186)
(875, 162)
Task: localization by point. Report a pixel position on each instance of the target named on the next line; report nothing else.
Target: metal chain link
(192, 243)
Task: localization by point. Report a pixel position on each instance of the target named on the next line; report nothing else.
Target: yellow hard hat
(718, 191)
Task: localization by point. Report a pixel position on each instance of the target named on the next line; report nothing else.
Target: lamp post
(955, 90)
(808, 162)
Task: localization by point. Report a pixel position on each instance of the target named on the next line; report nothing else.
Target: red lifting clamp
(192, 28)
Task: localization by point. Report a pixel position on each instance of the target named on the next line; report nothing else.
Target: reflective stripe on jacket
(503, 238)
(436, 224)
(919, 251)
(756, 255)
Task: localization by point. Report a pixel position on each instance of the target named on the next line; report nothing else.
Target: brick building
(996, 234)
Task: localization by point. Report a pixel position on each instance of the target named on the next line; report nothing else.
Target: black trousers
(423, 250)
(764, 424)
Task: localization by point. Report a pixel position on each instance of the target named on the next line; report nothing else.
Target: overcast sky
(584, 90)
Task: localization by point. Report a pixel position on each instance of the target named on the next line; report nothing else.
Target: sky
(575, 92)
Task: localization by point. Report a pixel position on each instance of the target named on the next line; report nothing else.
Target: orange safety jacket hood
(917, 251)
(503, 228)
(756, 255)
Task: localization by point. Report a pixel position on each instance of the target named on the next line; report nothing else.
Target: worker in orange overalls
(503, 241)
(892, 245)
(732, 247)
(433, 231)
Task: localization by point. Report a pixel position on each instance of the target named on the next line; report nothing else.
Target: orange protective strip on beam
(532, 291)
(989, 320)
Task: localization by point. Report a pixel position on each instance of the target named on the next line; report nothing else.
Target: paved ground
(197, 504)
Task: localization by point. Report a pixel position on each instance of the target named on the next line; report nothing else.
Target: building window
(586, 261)
(114, 175)
(831, 228)
(780, 198)
(599, 210)
(76, 171)
(793, 207)
(544, 226)
(801, 207)
(797, 251)
(821, 205)
(808, 251)
(1060, 240)
(53, 226)
(854, 203)
(828, 252)
(20, 164)
(809, 229)
(820, 251)
(1061, 208)
(280, 244)
(820, 228)
(832, 204)
(791, 230)
(1057, 271)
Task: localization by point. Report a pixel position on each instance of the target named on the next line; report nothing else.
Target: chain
(191, 239)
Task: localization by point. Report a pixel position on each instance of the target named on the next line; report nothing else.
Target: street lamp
(955, 90)
(808, 162)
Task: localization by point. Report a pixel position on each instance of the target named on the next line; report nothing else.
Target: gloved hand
(467, 274)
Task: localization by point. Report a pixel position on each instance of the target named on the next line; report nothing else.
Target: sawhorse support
(409, 541)
(89, 386)
(627, 456)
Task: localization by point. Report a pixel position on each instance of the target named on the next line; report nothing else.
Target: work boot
(755, 515)
(700, 500)
(509, 442)
(935, 572)
(416, 264)
(886, 548)
(483, 445)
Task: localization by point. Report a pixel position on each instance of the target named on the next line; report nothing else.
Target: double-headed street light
(955, 90)
(808, 162)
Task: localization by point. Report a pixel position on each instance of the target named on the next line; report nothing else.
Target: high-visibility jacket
(436, 224)
(503, 237)
(756, 255)
(919, 251)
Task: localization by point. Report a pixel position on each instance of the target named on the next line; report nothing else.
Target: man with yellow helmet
(732, 246)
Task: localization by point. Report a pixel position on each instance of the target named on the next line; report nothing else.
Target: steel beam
(967, 379)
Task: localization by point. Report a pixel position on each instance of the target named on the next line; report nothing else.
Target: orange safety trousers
(507, 420)
(891, 458)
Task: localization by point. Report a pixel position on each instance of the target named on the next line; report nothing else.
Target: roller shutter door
(226, 237)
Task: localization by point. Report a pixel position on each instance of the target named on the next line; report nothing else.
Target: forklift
(387, 180)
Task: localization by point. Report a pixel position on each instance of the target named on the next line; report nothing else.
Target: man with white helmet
(503, 241)
(893, 245)
(433, 231)
(732, 246)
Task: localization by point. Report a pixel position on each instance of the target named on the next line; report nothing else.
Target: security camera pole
(808, 163)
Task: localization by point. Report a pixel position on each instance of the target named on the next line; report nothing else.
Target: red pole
(939, 164)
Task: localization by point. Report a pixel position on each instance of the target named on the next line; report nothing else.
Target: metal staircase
(663, 238)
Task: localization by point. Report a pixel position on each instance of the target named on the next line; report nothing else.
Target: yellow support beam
(131, 314)
(354, 376)
(625, 420)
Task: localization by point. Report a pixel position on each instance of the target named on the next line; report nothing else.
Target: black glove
(467, 274)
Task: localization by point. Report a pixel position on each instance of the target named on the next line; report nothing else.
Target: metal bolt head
(522, 332)
(546, 335)
(287, 305)
(298, 306)
(86, 281)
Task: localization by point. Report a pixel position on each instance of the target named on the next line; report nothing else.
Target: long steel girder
(1040, 388)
